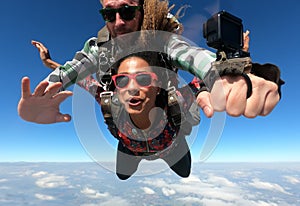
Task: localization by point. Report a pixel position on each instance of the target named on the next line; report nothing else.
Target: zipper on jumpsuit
(145, 137)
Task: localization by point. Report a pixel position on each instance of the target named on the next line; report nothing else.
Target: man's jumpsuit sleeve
(83, 64)
(193, 59)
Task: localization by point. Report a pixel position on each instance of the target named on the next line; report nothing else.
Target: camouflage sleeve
(83, 64)
(193, 59)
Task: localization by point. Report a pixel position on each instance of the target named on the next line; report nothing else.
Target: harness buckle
(107, 93)
(106, 103)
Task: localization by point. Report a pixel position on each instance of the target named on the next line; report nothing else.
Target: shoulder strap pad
(103, 35)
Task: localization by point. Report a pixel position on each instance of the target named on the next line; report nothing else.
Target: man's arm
(89, 83)
(195, 60)
(42, 106)
(45, 55)
(229, 92)
(83, 64)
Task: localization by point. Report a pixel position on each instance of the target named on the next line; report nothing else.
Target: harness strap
(174, 112)
(103, 35)
(106, 111)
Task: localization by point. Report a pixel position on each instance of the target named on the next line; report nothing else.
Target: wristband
(224, 66)
(249, 84)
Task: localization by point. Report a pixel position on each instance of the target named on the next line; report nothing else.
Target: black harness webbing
(174, 112)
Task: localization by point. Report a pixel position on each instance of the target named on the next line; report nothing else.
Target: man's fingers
(52, 90)
(204, 101)
(33, 42)
(271, 100)
(39, 46)
(36, 44)
(236, 99)
(246, 41)
(61, 96)
(257, 102)
(219, 93)
(40, 89)
(25, 87)
(63, 118)
(255, 105)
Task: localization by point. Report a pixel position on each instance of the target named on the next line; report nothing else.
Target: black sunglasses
(126, 13)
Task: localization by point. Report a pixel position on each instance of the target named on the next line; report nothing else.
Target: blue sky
(65, 25)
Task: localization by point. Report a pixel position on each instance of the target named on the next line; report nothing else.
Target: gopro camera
(224, 32)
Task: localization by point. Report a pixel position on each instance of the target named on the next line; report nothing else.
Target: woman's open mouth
(134, 102)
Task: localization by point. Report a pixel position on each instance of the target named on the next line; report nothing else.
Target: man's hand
(246, 39)
(45, 55)
(42, 106)
(229, 94)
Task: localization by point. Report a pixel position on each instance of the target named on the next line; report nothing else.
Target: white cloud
(225, 194)
(213, 190)
(292, 180)
(190, 179)
(239, 174)
(106, 198)
(217, 190)
(93, 193)
(220, 181)
(155, 182)
(210, 188)
(267, 186)
(148, 190)
(262, 203)
(218, 202)
(39, 174)
(88, 204)
(52, 181)
(168, 191)
(3, 180)
(24, 173)
(4, 200)
(88, 191)
(189, 200)
(44, 197)
(115, 201)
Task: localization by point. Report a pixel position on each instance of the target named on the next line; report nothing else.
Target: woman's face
(137, 99)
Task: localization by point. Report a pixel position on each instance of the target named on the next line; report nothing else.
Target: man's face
(120, 26)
